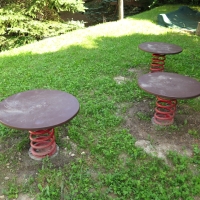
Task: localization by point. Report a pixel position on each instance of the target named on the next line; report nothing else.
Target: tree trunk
(121, 9)
(198, 29)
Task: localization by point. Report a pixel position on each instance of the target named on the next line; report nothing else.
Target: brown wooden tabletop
(170, 85)
(38, 109)
(160, 48)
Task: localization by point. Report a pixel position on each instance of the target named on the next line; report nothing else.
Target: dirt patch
(18, 167)
(177, 137)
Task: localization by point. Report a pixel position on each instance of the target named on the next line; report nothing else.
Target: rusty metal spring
(165, 111)
(158, 63)
(42, 143)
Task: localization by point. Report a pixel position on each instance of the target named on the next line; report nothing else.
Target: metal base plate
(162, 123)
(37, 158)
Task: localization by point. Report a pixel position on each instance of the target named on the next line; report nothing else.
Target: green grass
(85, 63)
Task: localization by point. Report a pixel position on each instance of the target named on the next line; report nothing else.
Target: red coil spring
(165, 111)
(158, 63)
(42, 143)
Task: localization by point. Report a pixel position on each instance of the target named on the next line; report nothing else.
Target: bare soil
(176, 137)
(20, 167)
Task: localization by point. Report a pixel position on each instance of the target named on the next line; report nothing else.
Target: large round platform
(38, 109)
(170, 85)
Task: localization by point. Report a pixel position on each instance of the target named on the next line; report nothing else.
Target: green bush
(17, 28)
(49, 9)
(29, 30)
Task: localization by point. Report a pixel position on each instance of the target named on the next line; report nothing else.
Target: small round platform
(159, 51)
(160, 48)
(170, 85)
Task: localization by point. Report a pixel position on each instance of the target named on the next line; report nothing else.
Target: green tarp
(184, 18)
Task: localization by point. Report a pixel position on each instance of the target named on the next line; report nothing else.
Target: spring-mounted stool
(168, 88)
(40, 112)
(159, 50)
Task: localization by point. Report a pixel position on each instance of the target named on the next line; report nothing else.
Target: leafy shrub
(44, 9)
(49, 9)
(4, 43)
(16, 28)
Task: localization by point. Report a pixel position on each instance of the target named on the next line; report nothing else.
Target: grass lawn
(106, 164)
